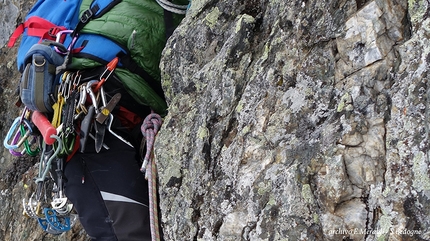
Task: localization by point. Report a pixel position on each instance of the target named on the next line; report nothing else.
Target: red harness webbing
(36, 26)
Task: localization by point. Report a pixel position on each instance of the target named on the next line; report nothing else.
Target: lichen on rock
(306, 125)
(288, 120)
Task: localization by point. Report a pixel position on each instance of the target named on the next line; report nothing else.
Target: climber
(89, 105)
(104, 178)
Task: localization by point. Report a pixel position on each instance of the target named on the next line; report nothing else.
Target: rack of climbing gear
(81, 111)
(57, 218)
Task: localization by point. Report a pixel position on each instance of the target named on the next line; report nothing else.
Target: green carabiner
(27, 145)
(68, 142)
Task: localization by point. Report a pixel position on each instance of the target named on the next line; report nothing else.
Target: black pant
(109, 192)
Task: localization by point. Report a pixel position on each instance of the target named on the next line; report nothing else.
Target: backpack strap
(168, 23)
(38, 27)
(97, 9)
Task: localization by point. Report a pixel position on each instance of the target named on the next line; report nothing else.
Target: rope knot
(150, 126)
(151, 122)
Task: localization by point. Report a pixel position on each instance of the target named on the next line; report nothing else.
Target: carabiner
(27, 144)
(60, 39)
(92, 94)
(82, 99)
(76, 79)
(21, 137)
(9, 134)
(68, 143)
(24, 134)
(15, 140)
(110, 67)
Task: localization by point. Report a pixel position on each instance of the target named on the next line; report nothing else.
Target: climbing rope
(149, 128)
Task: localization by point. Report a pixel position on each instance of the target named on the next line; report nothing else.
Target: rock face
(297, 120)
(288, 120)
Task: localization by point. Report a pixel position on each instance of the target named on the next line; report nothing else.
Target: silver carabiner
(76, 79)
(80, 106)
(91, 93)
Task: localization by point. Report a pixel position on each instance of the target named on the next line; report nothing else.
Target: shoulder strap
(168, 23)
(97, 9)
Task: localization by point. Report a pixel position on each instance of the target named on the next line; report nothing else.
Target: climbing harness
(149, 129)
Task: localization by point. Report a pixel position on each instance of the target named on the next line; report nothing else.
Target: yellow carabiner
(58, 106)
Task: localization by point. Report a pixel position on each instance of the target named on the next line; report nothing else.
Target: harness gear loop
(149, 128)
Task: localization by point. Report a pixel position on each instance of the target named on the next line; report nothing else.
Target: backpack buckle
(86, 15)
(52, 32)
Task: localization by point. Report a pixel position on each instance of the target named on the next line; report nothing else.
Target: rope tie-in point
(149, 129)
